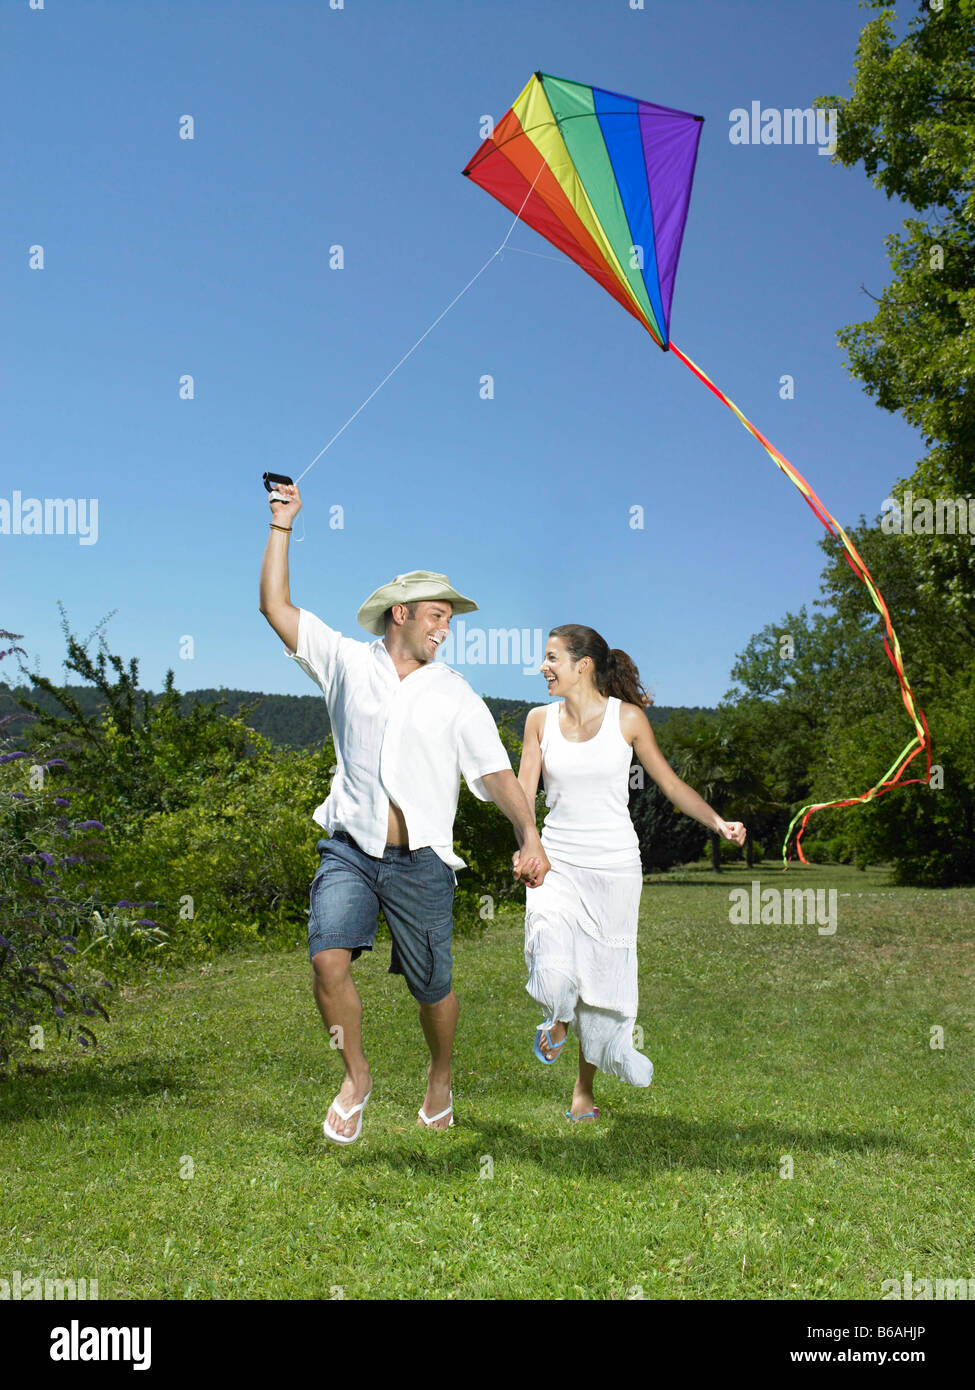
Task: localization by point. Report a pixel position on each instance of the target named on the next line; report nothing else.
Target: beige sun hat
(410, 588)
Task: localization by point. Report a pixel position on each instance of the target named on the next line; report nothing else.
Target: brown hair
(615, 673)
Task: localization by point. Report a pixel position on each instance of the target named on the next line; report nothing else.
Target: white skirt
(578, 970)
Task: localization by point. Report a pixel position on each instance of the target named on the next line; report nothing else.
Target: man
(405, 728)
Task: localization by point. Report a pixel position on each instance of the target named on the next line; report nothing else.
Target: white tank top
(587, 793)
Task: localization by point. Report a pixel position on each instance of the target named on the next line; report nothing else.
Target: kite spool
(270, 479)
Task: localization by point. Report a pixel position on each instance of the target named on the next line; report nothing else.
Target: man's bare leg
(439, 1023)
(341, 1009)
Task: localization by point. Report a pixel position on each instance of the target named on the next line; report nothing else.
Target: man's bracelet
(275, 527)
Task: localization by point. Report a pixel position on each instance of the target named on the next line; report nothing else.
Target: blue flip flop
(589, 1114)
(556, 1047)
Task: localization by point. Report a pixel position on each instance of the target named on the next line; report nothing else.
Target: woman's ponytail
(615, 673)
(623, 680)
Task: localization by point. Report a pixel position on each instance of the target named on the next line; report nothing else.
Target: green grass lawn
(770, 1043)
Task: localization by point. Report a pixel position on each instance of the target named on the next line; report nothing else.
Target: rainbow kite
(607, 179)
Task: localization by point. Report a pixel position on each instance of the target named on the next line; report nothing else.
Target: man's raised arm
(276, 602)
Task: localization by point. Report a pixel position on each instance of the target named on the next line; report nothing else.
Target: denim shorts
(415, 890)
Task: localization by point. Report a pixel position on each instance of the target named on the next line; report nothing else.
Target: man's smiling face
(423, 634)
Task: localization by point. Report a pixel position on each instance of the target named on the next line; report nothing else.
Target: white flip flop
(430, 1120)
(346, 1115)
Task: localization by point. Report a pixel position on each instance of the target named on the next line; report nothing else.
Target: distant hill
(292, 721)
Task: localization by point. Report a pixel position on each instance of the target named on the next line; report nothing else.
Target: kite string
(433, 325)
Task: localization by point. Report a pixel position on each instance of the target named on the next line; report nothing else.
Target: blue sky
(316, 127)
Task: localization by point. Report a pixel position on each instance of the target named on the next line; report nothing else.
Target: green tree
(911, 120)
(831, 715)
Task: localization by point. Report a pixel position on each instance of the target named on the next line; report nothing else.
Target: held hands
(732, 830)
(285, 503)
(530, 864)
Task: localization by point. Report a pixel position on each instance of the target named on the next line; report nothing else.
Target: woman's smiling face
(561, 673)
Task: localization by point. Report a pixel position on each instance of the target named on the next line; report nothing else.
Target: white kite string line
(541, 256)
(423, 335)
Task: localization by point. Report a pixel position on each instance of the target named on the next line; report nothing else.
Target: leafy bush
(827, 850)
(139, 754)
(235, 865)
(44, 979)
(817, 850)
(208, 825)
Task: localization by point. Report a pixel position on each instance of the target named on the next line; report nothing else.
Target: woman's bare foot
(548, 1043)
(582, 1104)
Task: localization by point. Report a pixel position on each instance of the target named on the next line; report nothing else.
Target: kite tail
(922, 738)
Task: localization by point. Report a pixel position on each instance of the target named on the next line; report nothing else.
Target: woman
(581, 923)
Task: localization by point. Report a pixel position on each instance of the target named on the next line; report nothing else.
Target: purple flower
(21, 796)
(126, 903)
(59, 1011)
(4, 943)
(68, 859)
(56, 762)
(47, 858)
(61, 801)
(83, 1041)
(11, 757)
(145, 922)
(89, 825)
(90, 1013)
(69, 947)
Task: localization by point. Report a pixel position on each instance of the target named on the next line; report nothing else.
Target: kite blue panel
(619, 121)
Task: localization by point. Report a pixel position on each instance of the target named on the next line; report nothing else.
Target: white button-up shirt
(407, 741)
